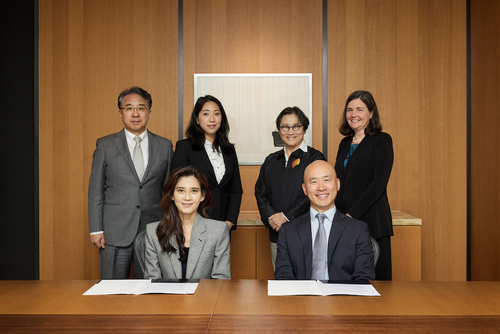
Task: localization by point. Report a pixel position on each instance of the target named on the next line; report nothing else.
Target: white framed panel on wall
(252, 102)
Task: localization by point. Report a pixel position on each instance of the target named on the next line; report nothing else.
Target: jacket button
(138, 207)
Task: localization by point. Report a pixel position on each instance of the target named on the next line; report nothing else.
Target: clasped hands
(276, 220)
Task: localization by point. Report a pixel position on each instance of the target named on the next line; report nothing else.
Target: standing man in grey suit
(324, 244)
(129, 170)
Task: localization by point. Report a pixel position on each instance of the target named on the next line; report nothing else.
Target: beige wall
(410, 54)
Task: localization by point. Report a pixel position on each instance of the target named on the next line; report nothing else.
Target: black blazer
(279, 188)
(350, 253)
(363, 183)
(227, 194)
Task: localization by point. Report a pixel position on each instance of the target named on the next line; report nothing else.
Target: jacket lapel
(121, 143)
(338, 226)
(297, 154)
(228, 163)
(355, 154)
(304, 231)
(153, 149)
(203, 156)
(197, 241)
(174, 258)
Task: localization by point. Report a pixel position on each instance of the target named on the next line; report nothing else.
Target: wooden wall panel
(412, 56)
(485, 120)
(253, 36)
(243, 249)
(406, 246)
(89, 52)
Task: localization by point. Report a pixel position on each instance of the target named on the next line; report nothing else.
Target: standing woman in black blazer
(363, 165)
(278, 189)
(207, 147)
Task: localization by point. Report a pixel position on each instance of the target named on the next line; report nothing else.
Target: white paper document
(317, 288)
(139, 287)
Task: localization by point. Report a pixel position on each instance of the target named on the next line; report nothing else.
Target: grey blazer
(118, 202)
(209, 253)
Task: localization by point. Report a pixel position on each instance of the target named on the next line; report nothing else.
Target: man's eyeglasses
(287, 128)
(139, 109)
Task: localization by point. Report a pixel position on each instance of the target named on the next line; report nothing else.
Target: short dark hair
(374, 126)
(135, 90)
(195, 133)
(171, 224)
(296, 111)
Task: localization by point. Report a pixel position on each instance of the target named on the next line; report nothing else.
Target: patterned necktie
(138, 158)
(319, 251)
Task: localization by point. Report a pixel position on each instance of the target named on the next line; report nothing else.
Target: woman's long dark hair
(374, 126)
(195, 133)
(171, 225)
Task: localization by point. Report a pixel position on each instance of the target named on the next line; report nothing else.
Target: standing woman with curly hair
(363, 165)
(185, 244)
(207, 147)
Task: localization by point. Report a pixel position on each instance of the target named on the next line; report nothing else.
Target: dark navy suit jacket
(350, 253)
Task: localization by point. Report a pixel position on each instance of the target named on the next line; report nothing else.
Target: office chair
(376, 251)
(140, 250)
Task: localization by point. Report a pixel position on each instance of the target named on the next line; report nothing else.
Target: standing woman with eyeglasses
(278, 190)
(207, 147)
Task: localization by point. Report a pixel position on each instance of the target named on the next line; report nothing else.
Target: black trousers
(383, 270)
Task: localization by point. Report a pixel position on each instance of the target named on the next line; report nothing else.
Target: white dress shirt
(217, 161)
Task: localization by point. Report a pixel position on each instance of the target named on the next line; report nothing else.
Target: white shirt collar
(303, 147)
(330, 213)
(131, 136)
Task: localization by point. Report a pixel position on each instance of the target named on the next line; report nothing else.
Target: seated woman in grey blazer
(185, 244)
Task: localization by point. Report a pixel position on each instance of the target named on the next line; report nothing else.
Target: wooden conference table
(243, 306)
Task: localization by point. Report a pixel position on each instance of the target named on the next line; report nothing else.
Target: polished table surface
(243, 306)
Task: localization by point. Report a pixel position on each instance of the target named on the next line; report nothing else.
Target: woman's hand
(229, 224)
(276, 220)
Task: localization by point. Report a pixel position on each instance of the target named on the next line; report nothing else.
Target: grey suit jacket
(209, 253)
(118, 202)
(350, 253)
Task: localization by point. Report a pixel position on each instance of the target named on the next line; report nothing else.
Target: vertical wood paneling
(412, 56)
(253, 36)
(485, 166)
(443, 101)
(243, 248)
(406, 253)
(89, 52)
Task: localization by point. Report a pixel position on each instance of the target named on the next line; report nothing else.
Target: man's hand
(276, 220)
(97, 240)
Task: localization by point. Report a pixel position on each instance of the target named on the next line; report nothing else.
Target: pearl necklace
(358, 140)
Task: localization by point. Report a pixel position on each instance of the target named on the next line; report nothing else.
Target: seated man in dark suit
(324, 244)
